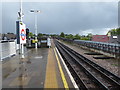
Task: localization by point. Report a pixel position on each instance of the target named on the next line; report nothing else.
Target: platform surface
(41, 68)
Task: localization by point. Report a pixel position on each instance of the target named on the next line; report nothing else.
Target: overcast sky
(68, 17)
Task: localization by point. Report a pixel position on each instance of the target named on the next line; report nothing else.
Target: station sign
(21, 32)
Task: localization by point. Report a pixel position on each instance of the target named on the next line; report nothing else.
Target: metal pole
(35, 11)
(20, 10)
(22, 51)
(36, 30)
(22, 46)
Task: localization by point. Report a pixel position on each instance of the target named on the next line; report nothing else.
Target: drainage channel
(103, 57)
(93, 53)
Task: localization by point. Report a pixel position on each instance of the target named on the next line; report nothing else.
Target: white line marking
(37, 57)
(27, 51)
(69, 74)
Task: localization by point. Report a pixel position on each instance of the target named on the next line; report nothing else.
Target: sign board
(114, 36)
(21, 32)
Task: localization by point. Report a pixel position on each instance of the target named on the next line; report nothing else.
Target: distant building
(100, 38)
(8, 36)
(114, 39)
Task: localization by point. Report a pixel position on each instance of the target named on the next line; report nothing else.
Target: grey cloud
(63, 16)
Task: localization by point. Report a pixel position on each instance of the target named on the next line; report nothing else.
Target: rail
(91, 74)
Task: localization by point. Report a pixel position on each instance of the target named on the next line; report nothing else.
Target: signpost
(21, 36)
(21, 31)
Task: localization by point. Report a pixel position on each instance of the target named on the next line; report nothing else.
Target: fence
(7, 49)
(111, 48)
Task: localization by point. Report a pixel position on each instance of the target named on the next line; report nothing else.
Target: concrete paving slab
(39, 69)
(29, 72)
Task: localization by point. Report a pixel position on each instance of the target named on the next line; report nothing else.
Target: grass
(114, 64)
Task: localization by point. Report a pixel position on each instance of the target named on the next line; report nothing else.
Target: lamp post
(35, 11)
(20, 13)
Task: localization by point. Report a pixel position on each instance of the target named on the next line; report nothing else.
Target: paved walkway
(41, 68)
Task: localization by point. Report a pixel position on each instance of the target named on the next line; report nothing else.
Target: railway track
(87, 74)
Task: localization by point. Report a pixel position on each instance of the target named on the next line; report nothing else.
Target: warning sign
(22, 33)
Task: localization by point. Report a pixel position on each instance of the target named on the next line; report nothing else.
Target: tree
(30, 34)
(77, 36)
(54, 35)
(40, 35)
(69, 36)
(10, 33)
(62, 34)
(118, 31)
(84, 38)
(89, 36)
(114, 31)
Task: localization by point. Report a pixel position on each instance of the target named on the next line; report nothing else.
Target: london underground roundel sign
(23, 34)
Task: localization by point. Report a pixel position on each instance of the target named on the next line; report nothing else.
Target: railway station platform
(41, 68)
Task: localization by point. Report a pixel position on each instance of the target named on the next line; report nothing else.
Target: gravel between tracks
(112, 65)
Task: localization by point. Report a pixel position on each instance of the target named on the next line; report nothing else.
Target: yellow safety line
(61, 72)
(51, 79)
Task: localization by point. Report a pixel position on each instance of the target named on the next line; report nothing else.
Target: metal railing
(8, 48)
(111, 48)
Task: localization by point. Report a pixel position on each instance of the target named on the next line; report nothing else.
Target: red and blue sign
(23, 34)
